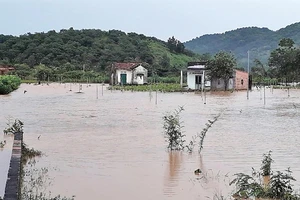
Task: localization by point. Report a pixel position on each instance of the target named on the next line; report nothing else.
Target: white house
(129, 73)
(196, 76)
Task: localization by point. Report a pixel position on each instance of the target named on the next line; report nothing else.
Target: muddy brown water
(113, 147)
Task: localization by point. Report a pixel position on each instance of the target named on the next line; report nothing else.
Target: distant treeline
(93, 50)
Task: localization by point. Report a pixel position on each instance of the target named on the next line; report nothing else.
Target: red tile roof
(125, 66)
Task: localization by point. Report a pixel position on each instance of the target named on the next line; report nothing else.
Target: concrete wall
(140, 75)
(219, 84)
(191, 78)
(13, 183)
(128, 77)
(238, 82)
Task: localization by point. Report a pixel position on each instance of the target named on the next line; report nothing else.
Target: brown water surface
(113, 147)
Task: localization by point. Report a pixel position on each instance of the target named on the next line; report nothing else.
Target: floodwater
(112, 147)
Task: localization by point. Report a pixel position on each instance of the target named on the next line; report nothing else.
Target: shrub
(172, 130)
(9, 83)
(15, 127)
(279, 186)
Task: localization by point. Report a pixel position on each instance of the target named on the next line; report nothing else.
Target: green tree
(283, 60)
(175, 45)
(42, 72)
(222, 66)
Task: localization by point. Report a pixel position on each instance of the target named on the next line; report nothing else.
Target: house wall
(233, 83)
(137, 79)
(122, 71)
(239, 76)
(191, 77)
(219, 84)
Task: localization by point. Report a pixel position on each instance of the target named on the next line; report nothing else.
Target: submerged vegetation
(174, 134)
(34, 180)
(173, 130)
(14, 127)
(265, 184)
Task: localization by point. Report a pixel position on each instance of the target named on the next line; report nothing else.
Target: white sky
(185, 19)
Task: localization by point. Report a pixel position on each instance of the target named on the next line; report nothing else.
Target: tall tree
(222, 66)
(283, 60)
(175, 45)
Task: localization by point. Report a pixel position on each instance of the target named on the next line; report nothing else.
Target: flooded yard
(113, 147)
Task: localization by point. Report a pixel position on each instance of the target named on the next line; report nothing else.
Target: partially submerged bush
(279, 186)
(28, 154)
(9, 83)
(35, 182)
(174, 134)
(266, 164)
(15, 127)
(173, 130)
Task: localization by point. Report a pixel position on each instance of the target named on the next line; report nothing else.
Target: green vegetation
(275, 185)
(266, 164)
(88, 53)
(282, 65)
(14, 127)
(175, 45)
(34, 181)
(221, 66)
(9, 83)
(153, 87)
(284, 61)
(259, 41)
(173, 130)
(174, 134)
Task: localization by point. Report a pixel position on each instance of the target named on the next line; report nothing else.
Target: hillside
(259, 41)
(91, 49)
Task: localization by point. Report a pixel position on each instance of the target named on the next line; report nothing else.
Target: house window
(242, 82)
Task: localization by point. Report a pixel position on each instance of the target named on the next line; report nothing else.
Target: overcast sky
(184, 19)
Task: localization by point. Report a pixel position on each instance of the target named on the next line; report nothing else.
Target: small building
(4, 69)
(238, 81)
(129, 73)
(197, 78)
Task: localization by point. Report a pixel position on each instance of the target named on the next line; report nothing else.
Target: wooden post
(156, 98)
(97, 91)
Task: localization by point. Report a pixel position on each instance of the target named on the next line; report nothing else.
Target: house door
(123, 79)
(198, 82)
(140, 79)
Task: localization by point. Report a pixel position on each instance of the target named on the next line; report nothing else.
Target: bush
(172, 130)
(9, 83)
(13, 128)
(279, 186)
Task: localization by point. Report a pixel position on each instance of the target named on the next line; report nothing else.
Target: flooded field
(113, 147)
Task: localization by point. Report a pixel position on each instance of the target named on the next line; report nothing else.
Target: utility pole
(248, 77)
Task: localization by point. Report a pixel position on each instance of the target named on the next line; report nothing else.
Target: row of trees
(66, 72)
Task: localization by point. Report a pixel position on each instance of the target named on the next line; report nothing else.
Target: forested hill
(91, 49)
(259, 41)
